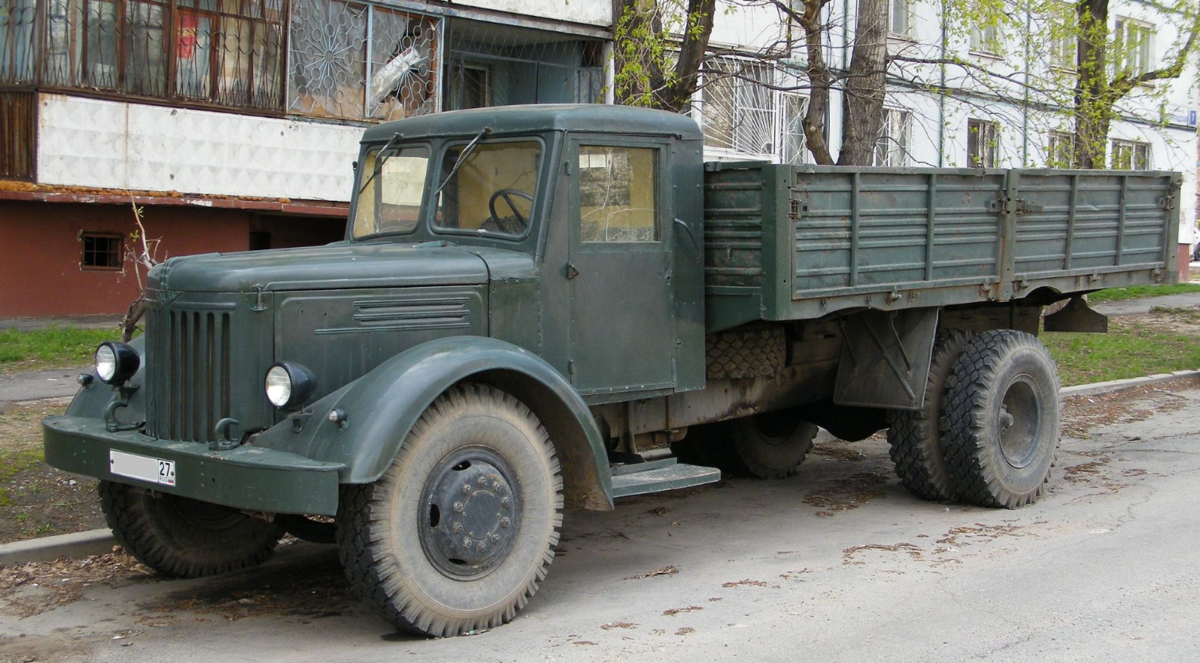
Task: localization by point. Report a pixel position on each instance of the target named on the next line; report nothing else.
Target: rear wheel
(1001, 422)
(182, 537)
(459, 532)
(915, 436)
(771, 445)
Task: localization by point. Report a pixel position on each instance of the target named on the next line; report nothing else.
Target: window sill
(987, 56)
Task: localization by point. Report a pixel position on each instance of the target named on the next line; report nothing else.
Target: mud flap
(885, 358)
(1076, 316)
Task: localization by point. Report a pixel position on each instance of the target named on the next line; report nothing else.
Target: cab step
(657, 476)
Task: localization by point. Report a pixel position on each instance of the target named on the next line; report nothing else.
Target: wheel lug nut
(495, 538)
(458, 507)
(467, 488)
(482, 546)
(483, 482)
(505, 522)
(504, 502)
(456, 527)
(496, 486)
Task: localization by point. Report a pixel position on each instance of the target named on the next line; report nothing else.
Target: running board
(659, 475)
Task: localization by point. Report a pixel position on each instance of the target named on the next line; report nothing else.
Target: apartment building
(233, 124)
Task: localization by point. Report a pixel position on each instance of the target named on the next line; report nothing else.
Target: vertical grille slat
(188, 371)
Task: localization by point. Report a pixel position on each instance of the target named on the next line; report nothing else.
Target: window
(1060, 150)
(226, 52)
(983, 143)
(618, 194)
(900, 18)
(358, 61)
(101, 251)
(1064, 43)
(17, 20)
(491, 191)
(391, 192)
(470, 86)
(985, 39)
(892, 147)
(1133, 44)
(1130, 155)
(794, 141)
(738, 109)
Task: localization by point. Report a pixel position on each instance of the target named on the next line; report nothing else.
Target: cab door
(622, 327)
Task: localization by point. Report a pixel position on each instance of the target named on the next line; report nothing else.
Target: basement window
(101, 251)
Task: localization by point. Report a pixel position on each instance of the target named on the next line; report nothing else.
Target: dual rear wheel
(988, 431)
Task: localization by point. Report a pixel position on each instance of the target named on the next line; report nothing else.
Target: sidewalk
(82, 321)
(36, 385)
(1144, 304)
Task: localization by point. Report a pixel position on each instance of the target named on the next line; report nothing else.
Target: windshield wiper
(379, 161)
(462, 158)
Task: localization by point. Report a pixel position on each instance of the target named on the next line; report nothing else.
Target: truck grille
(187, 373)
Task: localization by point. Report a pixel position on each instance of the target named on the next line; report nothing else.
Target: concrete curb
(79, 544)
(100, 541)
(1097, 388)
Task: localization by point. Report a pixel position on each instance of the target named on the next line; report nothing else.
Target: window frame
(907, 34)
(902, 145)
(1066, 20)
(1122, 54)
(1054, 147)
(992, 127)
(661, 147)
(1133, 146)
(980, 43)
(422, 214)
(107, 236)
(439, 154)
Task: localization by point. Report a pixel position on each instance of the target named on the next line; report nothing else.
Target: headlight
(116, 362)
(289, 385)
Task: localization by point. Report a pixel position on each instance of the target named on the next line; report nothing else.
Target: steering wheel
(507, 194)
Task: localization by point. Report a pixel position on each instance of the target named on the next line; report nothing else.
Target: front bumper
(245, 477)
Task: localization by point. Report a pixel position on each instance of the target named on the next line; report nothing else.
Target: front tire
(459, 532)
(1001, 422)
(182, 537)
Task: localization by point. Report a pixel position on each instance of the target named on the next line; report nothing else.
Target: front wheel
(182, 537)
(459, 532)
(1001, 420)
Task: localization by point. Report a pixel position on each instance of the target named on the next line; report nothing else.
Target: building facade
(226, 125)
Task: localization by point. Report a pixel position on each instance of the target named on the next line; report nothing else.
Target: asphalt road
(837, 564)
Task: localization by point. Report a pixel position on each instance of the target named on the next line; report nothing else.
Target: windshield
(391, 191)
(491, 191)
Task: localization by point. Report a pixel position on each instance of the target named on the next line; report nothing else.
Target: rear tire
(914, 435)
(1001, 422)
(771, 445)
(182, 537)
(459, 532)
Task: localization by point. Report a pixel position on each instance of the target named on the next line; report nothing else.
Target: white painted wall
(119, 145)
(590, 12)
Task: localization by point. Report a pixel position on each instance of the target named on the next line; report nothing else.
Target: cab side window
(618, 194)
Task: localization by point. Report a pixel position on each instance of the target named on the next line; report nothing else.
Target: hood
(335, 266)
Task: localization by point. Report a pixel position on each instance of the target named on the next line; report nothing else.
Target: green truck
(550, 307)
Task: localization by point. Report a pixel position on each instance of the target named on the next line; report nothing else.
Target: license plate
(145, 468)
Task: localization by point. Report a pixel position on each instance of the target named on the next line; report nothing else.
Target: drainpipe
(942, 96)
(1025, 96)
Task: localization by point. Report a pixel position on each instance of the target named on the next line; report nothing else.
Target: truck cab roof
(590, 118)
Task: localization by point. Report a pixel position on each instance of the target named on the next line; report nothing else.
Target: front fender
(382, 406)
(91, 400)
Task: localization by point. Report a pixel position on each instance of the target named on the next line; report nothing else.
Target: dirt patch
(35, 499)
(30, 589)
(848, 493)
(664, 571)
(1081, 414)
(675, 611)
(968, 534)
(912, 550)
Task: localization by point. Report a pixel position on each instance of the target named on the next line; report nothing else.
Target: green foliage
(644, 50)
(1134, 292)
(1142, 346)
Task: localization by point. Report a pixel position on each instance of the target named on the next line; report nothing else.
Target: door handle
(571, 271)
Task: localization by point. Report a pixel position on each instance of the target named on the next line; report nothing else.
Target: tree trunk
(862, 101)
(678, 96)
(1093, 108)
(819, 79)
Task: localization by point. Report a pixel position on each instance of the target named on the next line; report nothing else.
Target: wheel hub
(1018, 421)
(471, 514)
